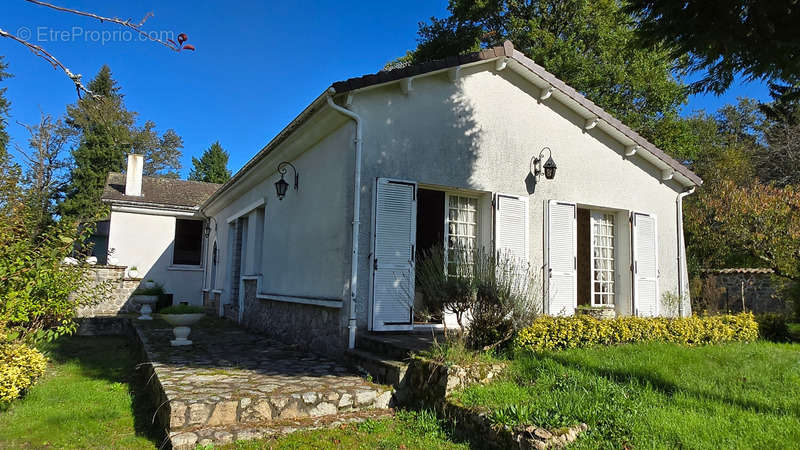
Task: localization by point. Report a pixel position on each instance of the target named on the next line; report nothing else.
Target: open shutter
(645, 265)
(562, 244)
(393, 263)
(511, 226)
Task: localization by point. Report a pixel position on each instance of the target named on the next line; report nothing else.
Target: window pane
(188, 248)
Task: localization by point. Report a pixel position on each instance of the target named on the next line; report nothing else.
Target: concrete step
(382, 369)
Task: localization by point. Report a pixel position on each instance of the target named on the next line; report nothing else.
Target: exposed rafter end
(667, 174)
(501, 64)
(546, 93)
(590, 123)
(406, 86)
(631, 150)
(454, 74)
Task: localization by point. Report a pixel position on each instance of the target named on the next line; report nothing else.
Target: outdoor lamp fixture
(281, 185)
(549, 166)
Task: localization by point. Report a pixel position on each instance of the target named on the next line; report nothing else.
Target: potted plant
(181, 317)
(146, 296)
(133, 272)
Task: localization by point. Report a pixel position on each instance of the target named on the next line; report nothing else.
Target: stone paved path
(231, 377)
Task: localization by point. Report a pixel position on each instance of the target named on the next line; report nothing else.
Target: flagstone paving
(236, 384)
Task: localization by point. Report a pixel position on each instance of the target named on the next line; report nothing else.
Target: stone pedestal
(599, 312)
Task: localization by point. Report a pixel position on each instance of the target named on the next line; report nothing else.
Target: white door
(511, 226)
(562, 258)
(393, 262)
(645, 265)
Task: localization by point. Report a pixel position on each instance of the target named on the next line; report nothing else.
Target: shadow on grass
(113, 359)
(665, 386)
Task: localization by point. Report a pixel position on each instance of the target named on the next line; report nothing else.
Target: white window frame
(446, 243)
(612, 295)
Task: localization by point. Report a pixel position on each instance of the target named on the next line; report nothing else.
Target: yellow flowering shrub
(558, 333)
(20, 366)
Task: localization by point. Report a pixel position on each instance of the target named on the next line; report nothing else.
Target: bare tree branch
(76, 78)
(125, 23)
(44, 54)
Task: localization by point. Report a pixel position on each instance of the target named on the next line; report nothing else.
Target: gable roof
(506, 53)
(159, 192)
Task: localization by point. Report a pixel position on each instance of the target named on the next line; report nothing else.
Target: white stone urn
(181, 323)
(146, 301)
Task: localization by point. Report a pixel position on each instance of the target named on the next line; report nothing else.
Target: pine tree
(212, 167)
(108, 132)
(105, 137)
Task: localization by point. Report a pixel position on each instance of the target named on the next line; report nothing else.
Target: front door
(393, 261)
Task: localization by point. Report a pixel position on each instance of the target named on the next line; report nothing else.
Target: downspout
(351, 324)
(681, 248)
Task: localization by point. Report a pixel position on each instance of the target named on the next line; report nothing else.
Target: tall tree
(107, 132)
(588, 44)
(212, 167)
(45, 175)
(758, 38)
(105, 137)
(4, 105)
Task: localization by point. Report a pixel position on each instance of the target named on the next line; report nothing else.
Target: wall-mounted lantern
(281, 185)
(549, 167)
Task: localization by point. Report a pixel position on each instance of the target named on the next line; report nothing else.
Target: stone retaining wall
(310, 328)
(428, 383)
(761, 290)
(119, 291)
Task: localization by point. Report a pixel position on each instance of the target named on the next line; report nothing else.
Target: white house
(155, 226)
(386, 164)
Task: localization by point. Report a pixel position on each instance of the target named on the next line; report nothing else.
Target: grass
(86, 399)
(652, 395)
(407, 430)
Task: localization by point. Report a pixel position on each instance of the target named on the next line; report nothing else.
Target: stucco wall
(477, 134)
(146, 241)
(480, 134)
(306, 236)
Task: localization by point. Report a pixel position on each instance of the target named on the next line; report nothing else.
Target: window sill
(185, 268)
(325, 303)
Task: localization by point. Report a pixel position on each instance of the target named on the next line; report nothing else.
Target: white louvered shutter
(511, 226)
(645, 265)
(393, 263)
(562, 246)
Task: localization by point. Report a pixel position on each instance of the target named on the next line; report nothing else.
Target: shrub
(773, 327)
(20, 367)
(557, 333)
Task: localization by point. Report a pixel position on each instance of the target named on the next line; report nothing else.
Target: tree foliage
(45, 174)
(212, 167)
(4, 105)
(107, 132)
(760, 220)
(758, 38)
(587, 44)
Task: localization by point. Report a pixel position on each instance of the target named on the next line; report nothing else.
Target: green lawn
(656, 395)
(89, 398)
(407, 430)
(86, 399)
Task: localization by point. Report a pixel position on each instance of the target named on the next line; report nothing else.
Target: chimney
(133, 178)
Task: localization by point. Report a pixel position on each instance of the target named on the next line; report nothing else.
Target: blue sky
(257, 64)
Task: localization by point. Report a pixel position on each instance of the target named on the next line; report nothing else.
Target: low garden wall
(119, 289)
(428, 383)
(732, 290)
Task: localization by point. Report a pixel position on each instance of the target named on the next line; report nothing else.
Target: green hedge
(20, 366)
(557, 333)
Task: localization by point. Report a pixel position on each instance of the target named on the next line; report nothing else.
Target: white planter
(181, 322)
(133, 273)
(145, 301)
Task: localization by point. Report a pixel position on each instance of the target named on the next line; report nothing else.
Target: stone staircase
(384, 356)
